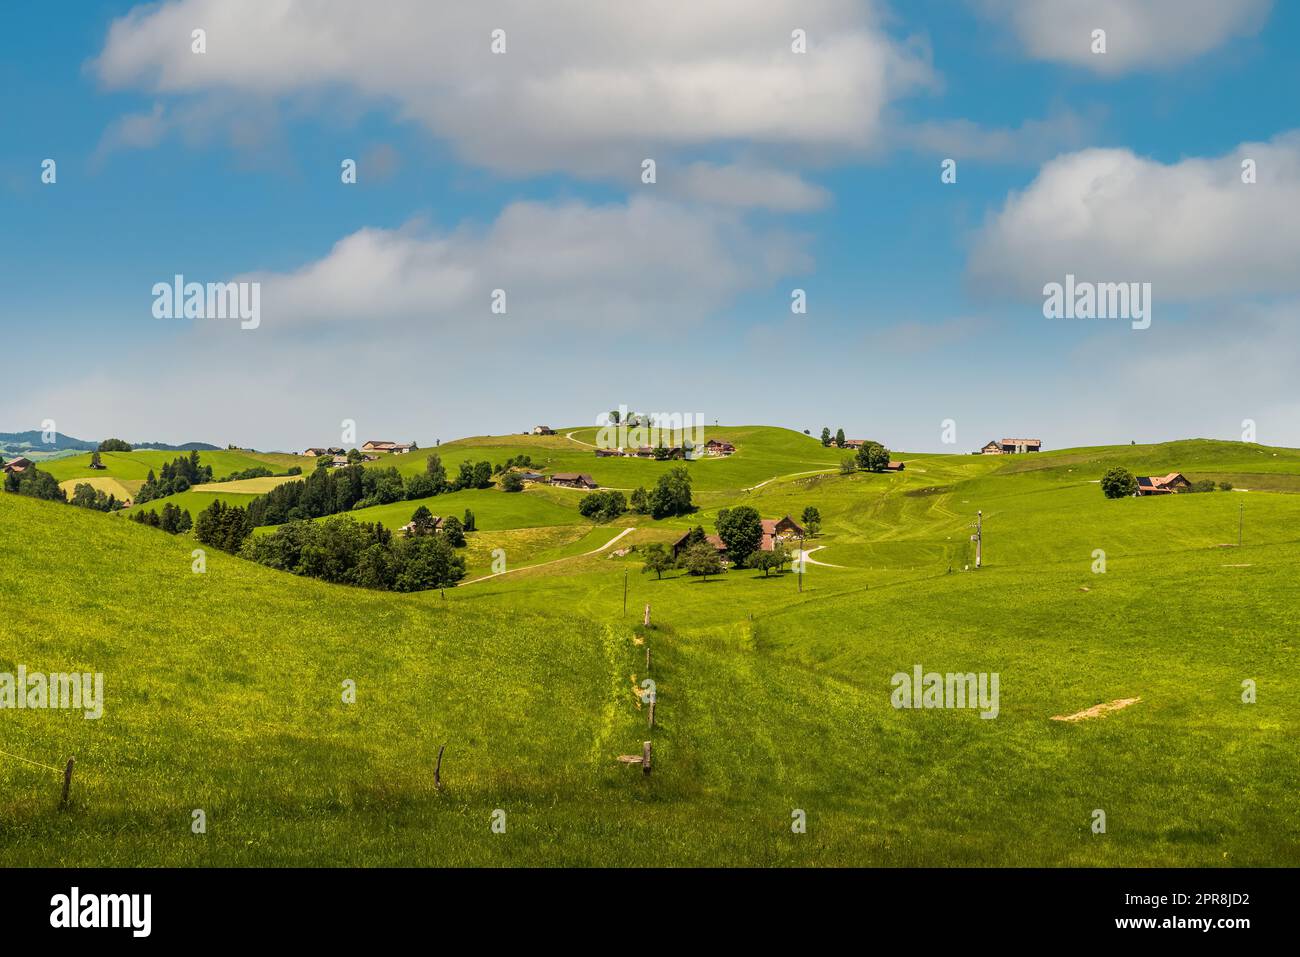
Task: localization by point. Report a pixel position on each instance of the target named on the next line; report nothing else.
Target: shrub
(1118, 483)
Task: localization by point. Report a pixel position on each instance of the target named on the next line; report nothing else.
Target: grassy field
(135, 466)
(223, 689)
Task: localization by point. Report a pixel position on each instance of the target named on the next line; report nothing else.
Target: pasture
(223, 689)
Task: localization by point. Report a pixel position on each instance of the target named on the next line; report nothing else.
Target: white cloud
(586, 88)
(1193, 229)
(742, 185)
(646, 261)
(1140, 34)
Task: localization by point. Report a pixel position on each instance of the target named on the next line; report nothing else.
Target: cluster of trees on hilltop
(175, 477)
(173, 520)
(329, 491)
(347, 552)
(114, 445)
(518, 461)
(670, 496)
(827, 439)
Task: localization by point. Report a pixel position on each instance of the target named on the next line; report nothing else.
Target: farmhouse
(779, 530)
(543, 430)
(573, 480)
(715, 540)
(853, 443)
(316, 453)
(895, 467)
(1012, 446)
(409, 528)
(529, 476)
(608, 453)
(396, 448)
(339, 461)
(1162, 484)
(18, 465)
(718, 447)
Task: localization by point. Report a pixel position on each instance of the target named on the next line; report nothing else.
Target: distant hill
(33, 440)
(187, 447)
(31, 444)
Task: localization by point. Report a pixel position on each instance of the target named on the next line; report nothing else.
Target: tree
(613, 416)
(223, 526)
(672, 494)
(640, 501)
(812, 519)
(826, 437)
(512, 482)
(873, 457)
(657, 560)
(693, 537)
(465, 477)
(453, 531)
(763, 561)
(355, 456)
(35, 484)
(427, 562)
(1118, 483)
(95, 463)
(741, 530)
(482, 475)
(839, 438)
(420, 485)
(602, 506)
(848, 465)
(702, 559)
(468, 521)
(114, 445)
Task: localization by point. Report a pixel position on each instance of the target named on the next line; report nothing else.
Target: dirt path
(812, 561)
(777, 478)
(594, 551)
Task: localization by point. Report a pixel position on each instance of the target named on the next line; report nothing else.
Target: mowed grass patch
(123, 490)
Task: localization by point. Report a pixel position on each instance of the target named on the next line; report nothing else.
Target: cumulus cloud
(560, 264)
(1140, 34)
(1193, 228)
(582, 87)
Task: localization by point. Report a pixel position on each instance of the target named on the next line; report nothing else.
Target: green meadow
(224, 691)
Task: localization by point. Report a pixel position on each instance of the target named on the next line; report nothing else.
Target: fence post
(437, 769)
(67, 781)
(645, 757)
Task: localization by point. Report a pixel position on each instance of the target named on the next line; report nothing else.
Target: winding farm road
(812, 561)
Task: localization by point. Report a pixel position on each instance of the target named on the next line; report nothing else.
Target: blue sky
(776, 171)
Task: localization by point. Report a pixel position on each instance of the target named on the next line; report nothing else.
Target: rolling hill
(774, 693)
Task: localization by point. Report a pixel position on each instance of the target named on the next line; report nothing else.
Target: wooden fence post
(645, 757)
(651, 723)
(647, 659)
(437, 769)
(67, 781)
(646, 621)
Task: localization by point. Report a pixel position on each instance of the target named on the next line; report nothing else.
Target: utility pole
(979, 538)
(803, 560)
